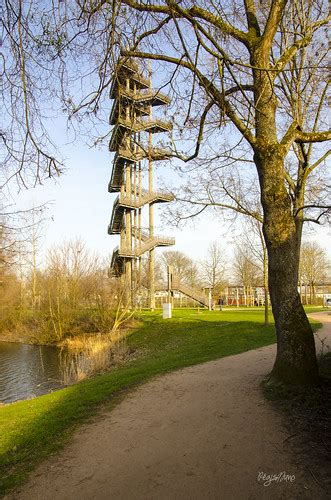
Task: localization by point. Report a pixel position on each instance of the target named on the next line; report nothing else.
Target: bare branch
(303, 137)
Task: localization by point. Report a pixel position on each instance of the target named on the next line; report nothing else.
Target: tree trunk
(296, 357)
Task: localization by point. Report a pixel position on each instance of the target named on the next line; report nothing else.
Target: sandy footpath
(204, 432)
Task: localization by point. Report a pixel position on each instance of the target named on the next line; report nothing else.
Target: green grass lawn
(31, 430)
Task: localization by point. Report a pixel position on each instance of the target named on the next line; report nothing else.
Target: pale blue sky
(82, 208)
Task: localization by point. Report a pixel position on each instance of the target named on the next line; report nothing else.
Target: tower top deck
(128, 69)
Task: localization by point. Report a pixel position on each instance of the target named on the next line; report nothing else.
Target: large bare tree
(248, 83)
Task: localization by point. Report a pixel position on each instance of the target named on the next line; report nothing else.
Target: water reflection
(27, 371)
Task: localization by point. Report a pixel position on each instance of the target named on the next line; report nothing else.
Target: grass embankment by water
(32, 430)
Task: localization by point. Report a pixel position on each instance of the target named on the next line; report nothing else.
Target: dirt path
(204, 432)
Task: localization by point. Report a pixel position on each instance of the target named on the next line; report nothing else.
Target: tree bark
(266, 286)
(296, 357)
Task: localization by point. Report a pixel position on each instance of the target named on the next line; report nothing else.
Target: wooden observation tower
(132, 142)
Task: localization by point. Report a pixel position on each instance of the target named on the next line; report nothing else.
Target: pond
(27, 371)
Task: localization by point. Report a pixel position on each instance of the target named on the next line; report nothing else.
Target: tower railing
(140, 152)
(141, 124)
(148, 244)
(144, 95)
(146, 197)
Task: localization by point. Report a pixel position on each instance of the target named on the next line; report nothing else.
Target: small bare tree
(253, 240)
(246, 269)
(214, 267)
(313, 267)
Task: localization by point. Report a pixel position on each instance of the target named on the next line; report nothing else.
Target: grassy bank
(31, 430)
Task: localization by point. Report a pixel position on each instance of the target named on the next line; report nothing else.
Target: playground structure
(246, 296)
(250, 296)
(132, 143)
